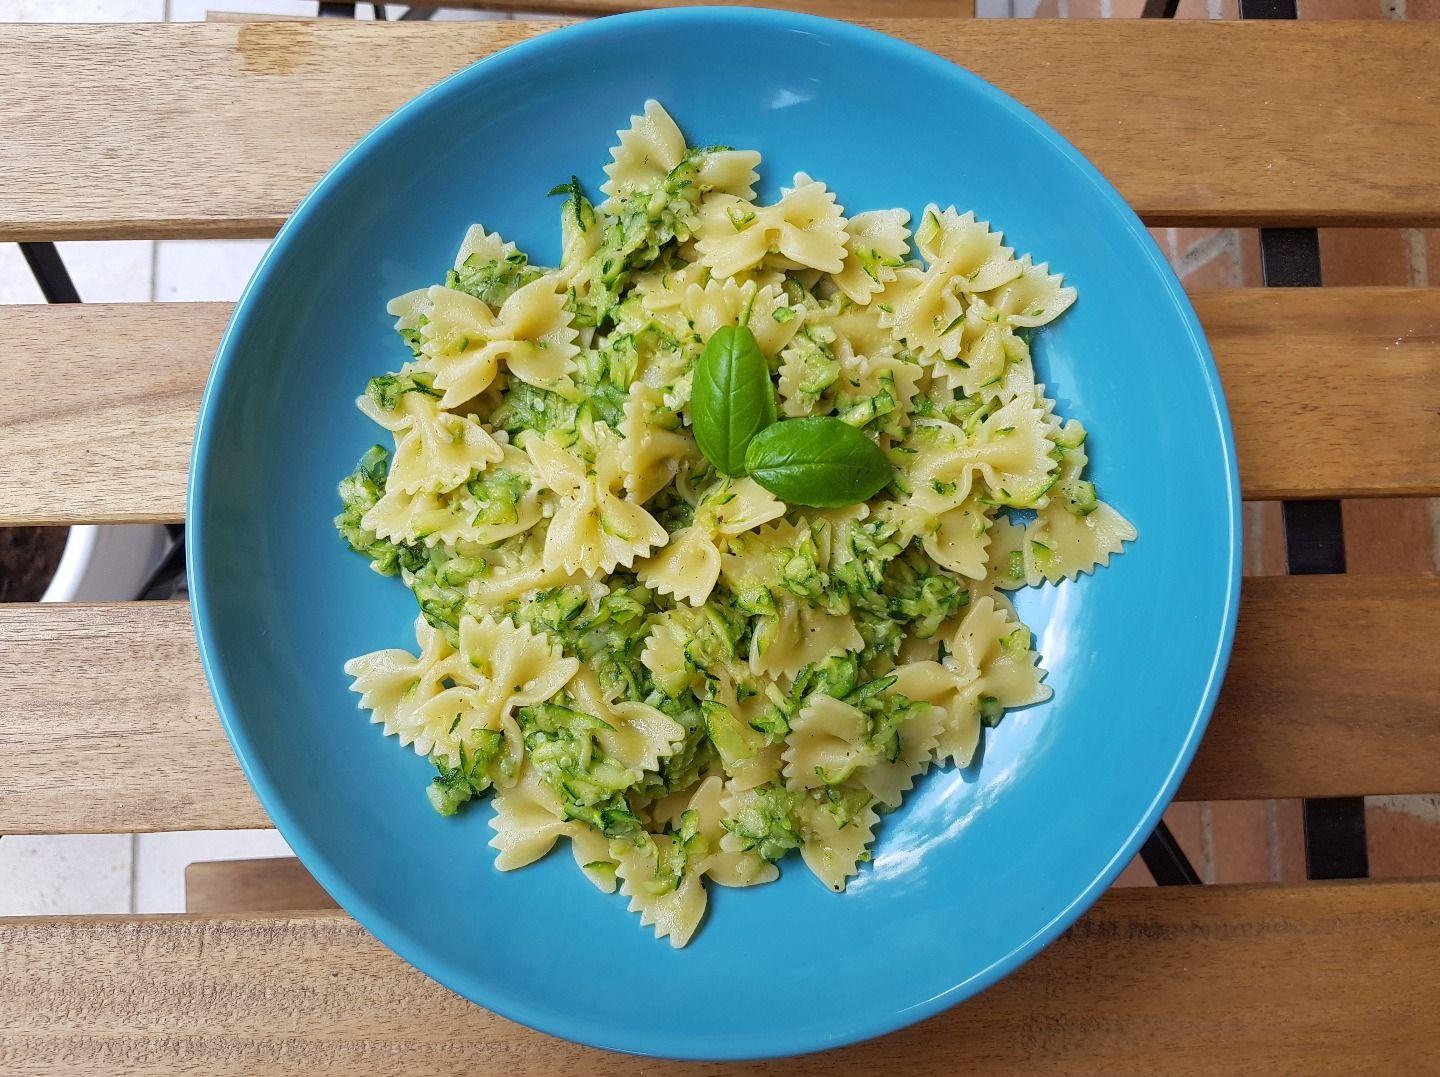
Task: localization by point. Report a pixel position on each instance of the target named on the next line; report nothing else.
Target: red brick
(1185, 822)
(1165, 241)
(1264, 523)
(1391, 536)
(1357, 257)
(1422, 9)
(1135, 874)
(1252, 267)
(1207, 257)
(1239, 842)
(1287, 840)
(1403, 834)
(1339, 9)
(1208, 9)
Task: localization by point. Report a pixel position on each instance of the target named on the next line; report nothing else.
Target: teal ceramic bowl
(981, 868)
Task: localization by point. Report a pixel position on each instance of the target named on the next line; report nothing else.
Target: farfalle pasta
(677, 671)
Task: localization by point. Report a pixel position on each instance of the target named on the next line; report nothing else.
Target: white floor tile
(194, 10)
(472, 15)
(201, 270)
(110, 272)
(160, 861)
(82, 10)
(65, 875)
(17, 285)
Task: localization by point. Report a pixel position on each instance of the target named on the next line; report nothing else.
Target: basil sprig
(731, 398)
(820, 462)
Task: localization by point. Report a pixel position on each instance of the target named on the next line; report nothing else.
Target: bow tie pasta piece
(826, 744)
(837, 827)
(652, 445)
(649, 149)
(593, 529)
(654, 874)
(773, 318)
(443, 697)
(961, 248)
(394, 685)
(663, 874)
(991, 668)
(726, 866)
(749, 750)
(689, 566)
(1009, 450)
(480, 246)
(1074, 532)
(652, 147)
(463, 342)
(961, 538)
(805, 229)
(875, 247)
(530, 819)
(1034, 298)
(634, 734)
(493, 505)
(434, 449)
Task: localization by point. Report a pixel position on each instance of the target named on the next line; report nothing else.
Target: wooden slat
(1309, 373)
(1327, 978)
(851, 10)
(273, 884)
(155, 131)
(103, 435)
(1331, 691)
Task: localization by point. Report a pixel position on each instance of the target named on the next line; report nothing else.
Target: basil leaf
(820, 462)
(731, 398)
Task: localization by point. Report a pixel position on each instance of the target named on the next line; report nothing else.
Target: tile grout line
(134, 872)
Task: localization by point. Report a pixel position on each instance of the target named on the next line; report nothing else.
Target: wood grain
(1303, 710)
(851, 10)
(1326, 978)
(1331, 691)
(105, 436)
(272, 884)
(170, 131)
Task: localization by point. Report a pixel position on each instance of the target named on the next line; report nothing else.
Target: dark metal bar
(417, 13)
(1290, 257)
(1268, 9)
(1335, 846)
(336, 11)
(1166, 860)
(1159, 9)
(1314, 538)
(50, 272)
(166, 578)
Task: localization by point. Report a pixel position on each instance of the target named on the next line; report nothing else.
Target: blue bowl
(981, 868)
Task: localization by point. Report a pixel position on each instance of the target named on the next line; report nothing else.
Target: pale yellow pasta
(805, 229)
(529, 820)
(594, 528)
(648, 653)
(440, 699)
(833, 846)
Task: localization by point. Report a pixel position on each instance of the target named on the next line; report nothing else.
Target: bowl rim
(493, 996)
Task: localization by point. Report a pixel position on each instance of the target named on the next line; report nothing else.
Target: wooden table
(106, 725)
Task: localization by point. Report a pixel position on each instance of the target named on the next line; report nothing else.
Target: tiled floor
(1245, 842)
